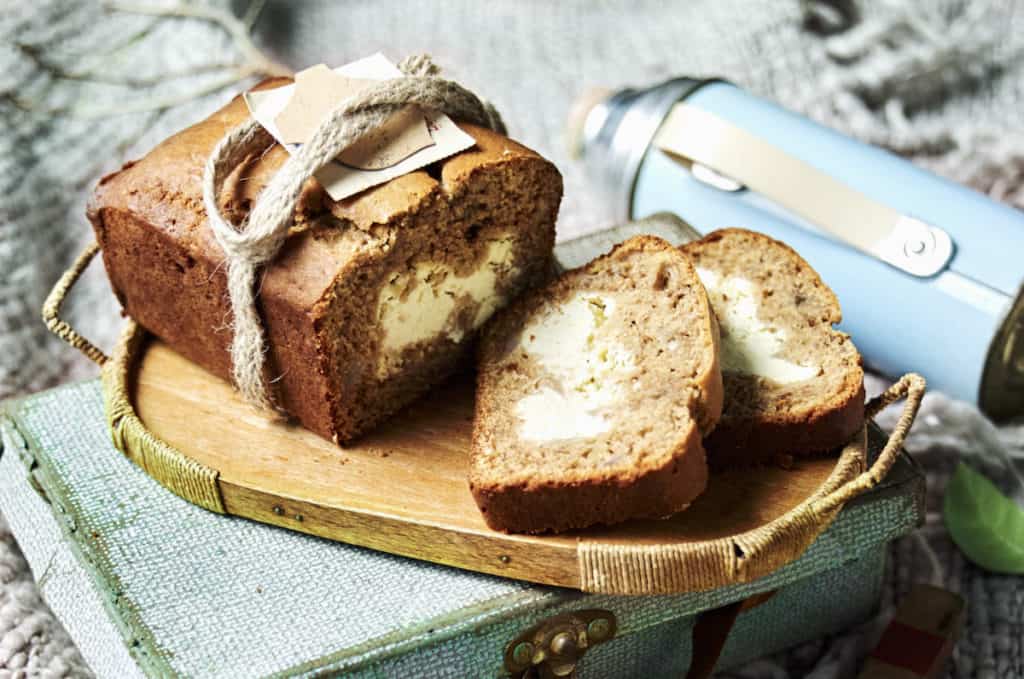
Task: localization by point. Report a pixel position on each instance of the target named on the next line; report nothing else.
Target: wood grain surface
(403, 488)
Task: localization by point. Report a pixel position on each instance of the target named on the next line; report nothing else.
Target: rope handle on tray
(54, 301)
(911, 387)
(670, 568)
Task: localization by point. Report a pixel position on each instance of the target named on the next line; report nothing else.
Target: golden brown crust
(804, 428)
(746, 442)
(167, 269)
(711, 382)
(591, 497)
(540, 507)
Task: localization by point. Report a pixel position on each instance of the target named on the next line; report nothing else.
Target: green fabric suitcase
(148, 584)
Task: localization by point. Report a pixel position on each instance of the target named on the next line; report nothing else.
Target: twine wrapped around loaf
(257, 240)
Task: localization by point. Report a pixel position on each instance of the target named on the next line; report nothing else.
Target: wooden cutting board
(403, 488)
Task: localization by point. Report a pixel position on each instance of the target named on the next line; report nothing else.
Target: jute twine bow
(257, 240)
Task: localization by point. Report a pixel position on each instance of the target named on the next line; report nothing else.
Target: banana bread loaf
(371, 301)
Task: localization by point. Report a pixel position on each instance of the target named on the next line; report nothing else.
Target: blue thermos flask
(929, 273)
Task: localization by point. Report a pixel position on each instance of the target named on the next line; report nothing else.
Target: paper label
(407, 141)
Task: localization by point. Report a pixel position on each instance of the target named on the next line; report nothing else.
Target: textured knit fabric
(83, 88)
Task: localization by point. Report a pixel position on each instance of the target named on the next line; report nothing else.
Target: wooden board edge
(544, 561)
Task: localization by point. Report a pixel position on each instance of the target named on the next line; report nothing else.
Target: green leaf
(984, 523)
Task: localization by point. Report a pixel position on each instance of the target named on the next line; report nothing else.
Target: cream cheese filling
(586, 375)
(423, 303)
(749, 344)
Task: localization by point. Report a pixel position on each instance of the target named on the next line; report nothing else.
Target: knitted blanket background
(85, 86)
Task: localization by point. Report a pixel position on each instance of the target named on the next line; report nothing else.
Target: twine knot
(256, 241)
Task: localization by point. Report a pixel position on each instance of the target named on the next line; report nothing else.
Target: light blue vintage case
(147, 583)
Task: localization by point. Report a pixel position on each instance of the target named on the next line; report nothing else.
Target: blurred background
(87, 86)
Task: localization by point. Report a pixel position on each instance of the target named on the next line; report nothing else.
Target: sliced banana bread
(594, 393)
(371, 301)
(793, 384)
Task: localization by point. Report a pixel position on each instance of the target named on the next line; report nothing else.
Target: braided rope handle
(55, 300)
(911, 387)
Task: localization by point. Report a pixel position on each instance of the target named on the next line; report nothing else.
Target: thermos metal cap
(579, 112)
(1001, 394)
(612, 131)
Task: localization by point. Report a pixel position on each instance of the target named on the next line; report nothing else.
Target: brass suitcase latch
(553, 647)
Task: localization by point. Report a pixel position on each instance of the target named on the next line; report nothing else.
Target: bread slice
(793, 384)
(594, 393)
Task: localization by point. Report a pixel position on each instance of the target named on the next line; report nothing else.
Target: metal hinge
(553, 647)
(9, 434)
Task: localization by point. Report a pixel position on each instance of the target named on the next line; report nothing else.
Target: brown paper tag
(401, 135)
(317, 91)
(409, 140)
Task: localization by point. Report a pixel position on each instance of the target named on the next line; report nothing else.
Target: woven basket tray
(403, 488)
